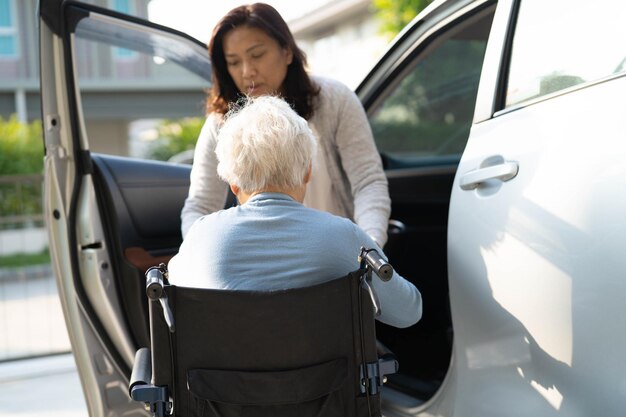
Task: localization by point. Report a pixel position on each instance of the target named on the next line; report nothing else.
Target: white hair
(264, 143)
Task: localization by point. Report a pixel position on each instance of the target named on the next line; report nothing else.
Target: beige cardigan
(353, 163)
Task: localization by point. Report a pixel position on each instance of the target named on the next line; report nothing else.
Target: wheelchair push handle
(377, 263)
(154, 290)
(155, 276)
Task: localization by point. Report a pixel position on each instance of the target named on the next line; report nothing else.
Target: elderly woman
(271, 240)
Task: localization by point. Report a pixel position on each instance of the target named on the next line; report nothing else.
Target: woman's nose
(248, 69)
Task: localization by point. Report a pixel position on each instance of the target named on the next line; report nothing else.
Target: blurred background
(342, 39)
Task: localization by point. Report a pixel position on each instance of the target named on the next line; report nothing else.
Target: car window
(427, 111)
(142, 92)
(559, 44)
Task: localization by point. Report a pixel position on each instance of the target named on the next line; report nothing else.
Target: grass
(25, 259)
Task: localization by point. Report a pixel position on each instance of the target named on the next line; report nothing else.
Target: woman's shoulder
(329, 221)
(330, 86)
(213, 222)
(212, 124)
(343, 231)
(333, 97)
(214, 119)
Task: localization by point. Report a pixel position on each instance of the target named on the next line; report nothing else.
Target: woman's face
(255, 61)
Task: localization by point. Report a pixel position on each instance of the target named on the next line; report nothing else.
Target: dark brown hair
(298, 89)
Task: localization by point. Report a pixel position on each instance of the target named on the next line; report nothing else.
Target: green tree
(21, 147)
(176, 136)
(394, 15)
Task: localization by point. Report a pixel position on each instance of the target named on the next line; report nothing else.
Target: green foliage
(21, 154)
(21, 198)
(21, 147)
(396, 14)
(176, 136)
(22, 259)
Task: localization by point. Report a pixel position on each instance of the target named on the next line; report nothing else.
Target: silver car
(501, 125)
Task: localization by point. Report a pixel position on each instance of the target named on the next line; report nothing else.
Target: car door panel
(97, 207)
(147, 197)
(141, 203)
(530, 224)
(535, 273)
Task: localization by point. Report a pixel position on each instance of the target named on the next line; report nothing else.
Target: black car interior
(140, 202)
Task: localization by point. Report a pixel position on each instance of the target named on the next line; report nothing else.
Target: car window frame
(74, 13)
(400, 58)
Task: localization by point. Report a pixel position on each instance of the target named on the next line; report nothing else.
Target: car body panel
(534, 264)
(535, 269)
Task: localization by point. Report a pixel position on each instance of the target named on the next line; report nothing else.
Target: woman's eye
(232, 63)
(258, 55)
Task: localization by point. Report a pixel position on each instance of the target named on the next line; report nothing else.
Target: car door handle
(503, 172)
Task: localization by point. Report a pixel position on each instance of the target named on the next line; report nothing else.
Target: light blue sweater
(273, 242)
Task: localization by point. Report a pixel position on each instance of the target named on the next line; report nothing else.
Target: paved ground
(31, 319)
(43, 387)
(31, 323)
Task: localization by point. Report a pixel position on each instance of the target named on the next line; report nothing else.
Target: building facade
(118, 86)
(19, 67)
(341, 39)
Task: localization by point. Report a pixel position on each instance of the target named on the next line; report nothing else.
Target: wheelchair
(302, 352)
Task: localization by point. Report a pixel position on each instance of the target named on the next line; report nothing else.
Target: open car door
(110, 217)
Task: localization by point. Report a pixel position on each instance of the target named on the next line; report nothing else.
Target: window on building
(126, 7)
(8, 29)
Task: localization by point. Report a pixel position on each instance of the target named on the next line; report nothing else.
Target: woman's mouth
(253, 88)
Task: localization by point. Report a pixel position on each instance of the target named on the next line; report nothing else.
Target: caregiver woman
(253, 53)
